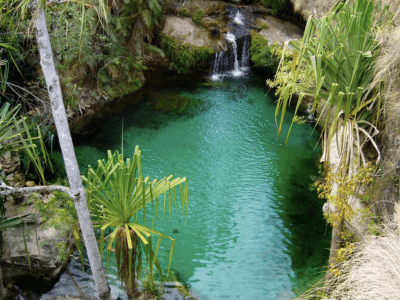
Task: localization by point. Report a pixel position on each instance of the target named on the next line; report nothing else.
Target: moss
(184, 13)
(198, 15)
(264, 56)
(184, 56)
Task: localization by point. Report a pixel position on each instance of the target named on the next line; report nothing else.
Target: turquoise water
(254, 230)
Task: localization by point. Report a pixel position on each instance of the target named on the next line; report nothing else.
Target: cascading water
(228, 64)
(232, 39)
(238, 18)
(245, 54)
(237, 60)
(221, 65)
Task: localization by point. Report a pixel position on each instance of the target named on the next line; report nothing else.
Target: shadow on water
(306, 232)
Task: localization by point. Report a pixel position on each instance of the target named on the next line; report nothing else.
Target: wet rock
(66, 287)
(85, 282)
(171, 294)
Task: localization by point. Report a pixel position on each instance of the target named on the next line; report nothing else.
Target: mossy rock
(185, 56)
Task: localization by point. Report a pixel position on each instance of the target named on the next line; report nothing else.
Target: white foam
(238, 19)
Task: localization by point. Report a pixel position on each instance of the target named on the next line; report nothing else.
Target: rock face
(43, 256)
(318, 8)
(39, 242)
(214, 20)
(219, 19)
(185, 31)
(276, 30)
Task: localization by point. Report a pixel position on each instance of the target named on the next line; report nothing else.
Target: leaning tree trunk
(67, 148)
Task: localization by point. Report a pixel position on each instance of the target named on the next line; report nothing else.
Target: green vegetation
(279, 8)
(347, 186)
(264, 56)
(88, 55)
(59, 213)
(184, 13)
(17, 134)
(334, 62)
(118, 195)
(198, 15)
(184, 57)
(93, 59)
(332, 68)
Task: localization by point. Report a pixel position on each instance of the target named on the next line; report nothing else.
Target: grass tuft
(373, 272)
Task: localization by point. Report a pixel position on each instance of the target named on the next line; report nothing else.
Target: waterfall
(232, 39)
(238, 18)
(245, 62)
(237, 60)
(233, 63)
(221, 64)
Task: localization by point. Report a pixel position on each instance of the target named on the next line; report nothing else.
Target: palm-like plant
(334, 63)
(118, 194)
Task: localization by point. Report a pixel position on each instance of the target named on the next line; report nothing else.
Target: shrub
(185, 56)
(264, 56)
(184, 13)
(198, 15)
(334, 61)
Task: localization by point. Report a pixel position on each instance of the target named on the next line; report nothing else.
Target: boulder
(186, 31)
(312, 7)
(275, 30)
(39, 242)
(42, 253)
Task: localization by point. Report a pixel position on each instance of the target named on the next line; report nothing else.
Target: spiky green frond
(332, 65)
(117, 192)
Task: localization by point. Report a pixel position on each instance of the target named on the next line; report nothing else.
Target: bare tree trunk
(67, 148)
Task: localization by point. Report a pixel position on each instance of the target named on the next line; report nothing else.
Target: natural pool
(254, 229)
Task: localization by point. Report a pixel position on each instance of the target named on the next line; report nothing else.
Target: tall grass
(373, 272)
